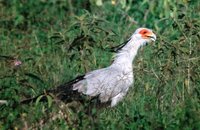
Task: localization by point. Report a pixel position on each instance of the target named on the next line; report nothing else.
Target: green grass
(59, 40)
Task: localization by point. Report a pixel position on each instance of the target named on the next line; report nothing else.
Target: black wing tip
(75, 80)
(59, 89)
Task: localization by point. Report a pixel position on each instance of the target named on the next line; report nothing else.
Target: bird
(109, 84)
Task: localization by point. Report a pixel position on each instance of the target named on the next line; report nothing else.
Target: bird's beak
(152, 36)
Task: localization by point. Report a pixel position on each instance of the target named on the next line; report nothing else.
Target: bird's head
(145, 35)
(141, 37)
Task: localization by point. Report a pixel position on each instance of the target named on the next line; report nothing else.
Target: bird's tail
(63, 92)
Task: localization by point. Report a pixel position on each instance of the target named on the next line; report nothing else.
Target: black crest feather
(119, 47)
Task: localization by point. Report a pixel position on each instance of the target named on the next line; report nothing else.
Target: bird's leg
(117, 99)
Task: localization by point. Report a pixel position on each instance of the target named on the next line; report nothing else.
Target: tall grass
(59, 40)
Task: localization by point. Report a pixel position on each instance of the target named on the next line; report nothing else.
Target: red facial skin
(145, 33)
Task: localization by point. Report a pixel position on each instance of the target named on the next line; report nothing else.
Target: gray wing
(106, 82)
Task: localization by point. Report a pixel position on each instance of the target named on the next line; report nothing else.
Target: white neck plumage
(126, 55)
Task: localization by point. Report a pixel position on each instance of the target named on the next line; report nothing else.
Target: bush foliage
(56, 41)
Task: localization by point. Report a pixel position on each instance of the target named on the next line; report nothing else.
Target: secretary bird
(108, 84)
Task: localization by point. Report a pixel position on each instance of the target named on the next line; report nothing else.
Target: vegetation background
(57, 40)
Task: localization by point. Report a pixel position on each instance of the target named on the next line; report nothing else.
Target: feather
(119, 47)
(63, 92)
